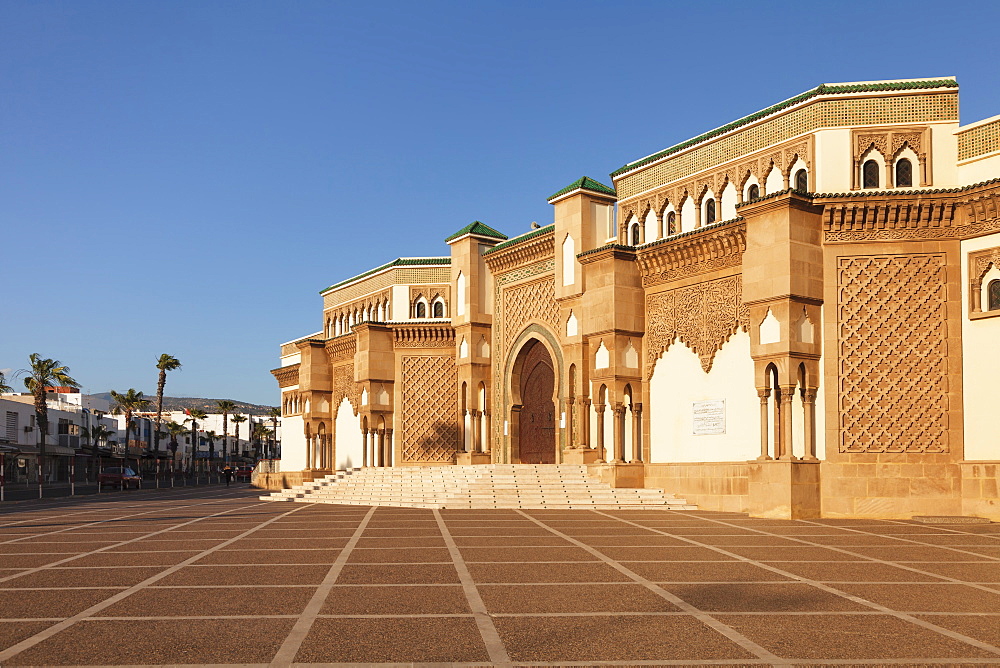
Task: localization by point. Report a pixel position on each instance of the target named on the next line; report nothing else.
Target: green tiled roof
(585, 183)
(524, 237)
(398, 262)
(822, 89)
(476, 227)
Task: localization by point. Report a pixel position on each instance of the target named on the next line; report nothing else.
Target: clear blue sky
(184, 177)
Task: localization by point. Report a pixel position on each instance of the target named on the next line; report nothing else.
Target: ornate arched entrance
(537, 416)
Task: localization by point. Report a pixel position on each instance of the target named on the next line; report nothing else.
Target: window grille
(992, 296)
(904, 173)
(870, 174)
(802, 180)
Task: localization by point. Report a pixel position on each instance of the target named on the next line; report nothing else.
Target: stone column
(381, 447)
(364, 447)
(809, 413)
(763, 394)
(570, 419)
(619, 433)
(584, 413)
(599, 408)
(467, 442)
(787, 394)
(388, 447)
(636, 433)
(309, 451)
(487, 419)
(477, 431)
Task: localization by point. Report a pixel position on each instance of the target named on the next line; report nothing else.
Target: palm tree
(261, 435)
(194, 414)
(274, 414)
(174, 430)
(128, 403)
(97, 434)
(164, 364)
(238, 419)
(210, 436)
(225, 407)
(43, 374)
(4, 387)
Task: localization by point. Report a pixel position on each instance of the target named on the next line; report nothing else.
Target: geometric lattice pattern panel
(892, 353)
(702, 316)
(430, 401)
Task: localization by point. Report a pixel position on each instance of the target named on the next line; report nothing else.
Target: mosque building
(796, 314)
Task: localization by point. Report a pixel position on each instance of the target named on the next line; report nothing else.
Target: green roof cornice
(585, 183)
(524, 237)
(822, 89)
(477, 228)
(398, 262)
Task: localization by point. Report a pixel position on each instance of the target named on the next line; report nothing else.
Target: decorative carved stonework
(423, 336)
(429, 398)
(525, 252)
(286, 375)
(892, 353)
(342, 348)
(980, 263)
(702, 316)
(345, 387)
(687, 256)
(526, 272)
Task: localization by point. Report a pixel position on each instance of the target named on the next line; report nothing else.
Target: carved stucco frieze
(344, 387)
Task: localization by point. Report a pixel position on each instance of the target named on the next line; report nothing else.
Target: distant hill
(207, 405)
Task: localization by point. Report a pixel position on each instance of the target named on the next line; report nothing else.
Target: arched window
(904, 173)
(438, 309)
(420, 311)
(671, 223)
(870, 174)
(635, 234)
(753, 192)
(993, 295)
(802, 180)
(710, 212)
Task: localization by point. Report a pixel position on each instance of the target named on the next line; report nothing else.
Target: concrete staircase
(482, 486)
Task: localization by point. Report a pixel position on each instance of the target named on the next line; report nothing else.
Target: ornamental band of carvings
(526, 272)
(892, 352)
(344, 387)
(692, 270)
(702, 316)
(287, 375)
(342, 348)
(423, 336)
(430, 395)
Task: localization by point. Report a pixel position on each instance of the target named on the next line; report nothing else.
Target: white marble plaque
(708, 417)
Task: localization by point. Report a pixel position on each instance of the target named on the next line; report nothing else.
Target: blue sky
(184, 177)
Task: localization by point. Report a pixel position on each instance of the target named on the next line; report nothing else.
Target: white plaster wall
(347, 442)
(979, 170)
(293, 444)
(289, 360)
(651, 227)
(399, 303)
(832, 164)
(980, 368)
(775, 181)
(944, 155)
(687, 216)
(728, 202)
(678, 380)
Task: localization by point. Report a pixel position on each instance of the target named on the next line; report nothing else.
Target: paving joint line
(823, 587)
(495, 647)
(285, 655)
(910, 540)
(31, 641)
(725, 630)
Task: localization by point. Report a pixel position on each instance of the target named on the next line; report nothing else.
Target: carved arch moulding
(345, 387)
(703, 317)
(980, 263)
(783, 158)
(889, 142)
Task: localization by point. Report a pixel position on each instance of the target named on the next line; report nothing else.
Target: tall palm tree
(225, 407)
(238, 419)
(43, 374)
(261, 434)
(194, 414)
(97, 434)
(210, 436)
(4, 387)
(274, 414)
(174, 430)
(164, 364)
(128, 403)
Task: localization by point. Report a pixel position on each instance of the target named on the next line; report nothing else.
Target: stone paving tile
(401, 543)
(203, 641)
(393, 640)
(259, 557)
(413, 555)
(957, 540)
(12, 633)
(48, 548)
(979, 572)
(849, 540)
(752, 597)
(522, 573)
(227, 575)
(158, 545)
(49, 603)
(252, 542)
(533, 599)
(802, 553)
(849, 571)
(673, 571)
(927, 597)
(400, 533)
(31, 560)
(398, 600)
(918, 553)
(696, 531)
(646, 540)
(986, 551)
(132, 559)
(398, 574)
(746, 541)
(857, 637)
(83, 577)
(611, 638)
(985, 628)
(689, 553)
(209, 601)
(524, 554)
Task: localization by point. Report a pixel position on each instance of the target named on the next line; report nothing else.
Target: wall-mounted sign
(708, 417)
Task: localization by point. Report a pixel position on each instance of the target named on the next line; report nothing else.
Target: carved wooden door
(537, 426)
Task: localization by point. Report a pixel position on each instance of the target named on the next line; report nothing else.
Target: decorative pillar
(786, 178)
(888, 174)
(599, 408)
(809, 413)
(697, 214)
(570, 420)
(467, 442)
(487, 420)
(764, 394)
(636, 433)
(364, 447)
(619, 432)
(373, 447)
(584, 413)
(785, 431)
(381, 447)
(309, 448)
(477, 432)
(388, 446)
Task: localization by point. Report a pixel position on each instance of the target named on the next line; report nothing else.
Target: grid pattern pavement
(218, 577)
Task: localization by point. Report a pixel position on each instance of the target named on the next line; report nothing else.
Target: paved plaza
(215, 576)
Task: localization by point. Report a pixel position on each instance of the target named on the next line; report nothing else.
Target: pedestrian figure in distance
(228, 472)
